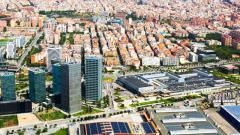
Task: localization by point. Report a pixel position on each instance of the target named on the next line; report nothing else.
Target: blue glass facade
(56, 73)
(37, 86)
(93, 78)
(8, 86)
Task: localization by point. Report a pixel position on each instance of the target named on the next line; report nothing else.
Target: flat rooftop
(118, 128)
(233, 110)
(184, 117)
(198, 79)
(135, 81)
(192, 128)
(183, 121)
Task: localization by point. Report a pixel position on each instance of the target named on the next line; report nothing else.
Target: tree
(98, 104)
(4, 29)
(35, 126)
(38, 132)
(45, 130)
(18, 22)
(89, 109)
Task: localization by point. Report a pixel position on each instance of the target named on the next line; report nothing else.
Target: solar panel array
(116, 128)
(148, 128)
(98, 128)
(120, 127)
(93, 128)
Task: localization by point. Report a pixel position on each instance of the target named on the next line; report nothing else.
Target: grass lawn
(50, 115)
(116, 93)
(49, 77)
(108, 79)
(86, 112)
(224, 52)
(8, 121)
(6, 40)
(121, 106)
(229, 77)
(61, 132)
(21, 86)
(165, 101)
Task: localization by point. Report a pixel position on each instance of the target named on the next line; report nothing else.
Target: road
(54, 123)
(109, 88)
(28, 49)
(187, 66)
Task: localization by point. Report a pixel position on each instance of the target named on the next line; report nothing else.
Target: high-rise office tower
(37, 86)
(56, 73)
(8, 86)
(93, 77)
(70, 82)
(54, 52)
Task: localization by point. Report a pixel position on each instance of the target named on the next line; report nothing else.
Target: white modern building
(54, 52)
(193, 57)
(150, 61)
(20, 41)
(11, 50)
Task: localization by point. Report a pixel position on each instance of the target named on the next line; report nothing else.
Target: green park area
(61, 132)
(21, 86)
(224, 52)
(4, 41)
(165, 101)
(50, 115)
(62, 38)
(67, 14)
(117, 92)
(49, 77)
(8, 121)
(235, 78)
(213, 36)
(86, 110)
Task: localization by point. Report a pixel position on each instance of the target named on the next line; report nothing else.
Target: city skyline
(135, 67)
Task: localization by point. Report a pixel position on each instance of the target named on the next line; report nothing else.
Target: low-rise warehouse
(182, 121)
(171, 84)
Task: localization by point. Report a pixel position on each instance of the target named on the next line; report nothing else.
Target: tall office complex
(8, 86)
(56, 73)
(37, 86)
(93, 77)
(54, 52)
(70, 82)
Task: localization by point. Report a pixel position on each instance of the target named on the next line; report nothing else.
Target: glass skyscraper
(70, 82)
(56, 73)
(8, 86)
(93, 77)
(37, 86)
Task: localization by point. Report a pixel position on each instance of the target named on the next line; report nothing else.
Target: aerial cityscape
(119, 67)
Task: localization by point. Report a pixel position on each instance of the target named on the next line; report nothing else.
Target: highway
(28, 49)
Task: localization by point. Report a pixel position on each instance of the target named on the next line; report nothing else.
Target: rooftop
(191, 128)
(118, 128)
(233, 110)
